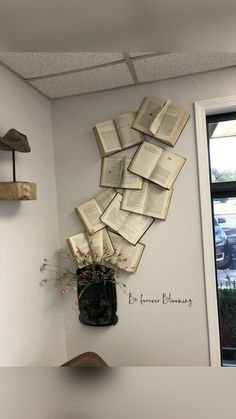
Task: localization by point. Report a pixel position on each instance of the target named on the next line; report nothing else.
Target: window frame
(202, 110)
(221, 188)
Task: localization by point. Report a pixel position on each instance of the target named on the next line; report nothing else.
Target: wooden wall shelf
(18, 191)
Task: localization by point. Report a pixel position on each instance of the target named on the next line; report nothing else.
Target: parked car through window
(222, 151)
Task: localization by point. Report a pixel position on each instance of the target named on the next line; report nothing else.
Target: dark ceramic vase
(98, 301)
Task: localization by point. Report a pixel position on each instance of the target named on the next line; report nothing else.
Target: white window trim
(202, 109)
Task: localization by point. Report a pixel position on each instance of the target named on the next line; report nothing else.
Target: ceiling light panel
(37, 64)
(178, 64)
(85, 81)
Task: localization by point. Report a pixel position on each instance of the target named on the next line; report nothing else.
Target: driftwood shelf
(17, 191)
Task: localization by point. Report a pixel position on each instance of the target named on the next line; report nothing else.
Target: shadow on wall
(5, 166)
(9, 209)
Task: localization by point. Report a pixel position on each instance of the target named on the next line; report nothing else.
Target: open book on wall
(87, 249)
(116, 135)
(126, 255)
(91, 211)
(161, 120)
(156, 164)
(152, 200)
(114, 174)
(129, 225)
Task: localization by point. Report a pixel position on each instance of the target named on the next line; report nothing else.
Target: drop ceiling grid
(33, 65)
(104, 74)
(92, 80)
(178, 64)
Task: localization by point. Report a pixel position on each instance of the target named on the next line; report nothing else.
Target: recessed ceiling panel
(35, 64)
(85, 81)
(178, 64)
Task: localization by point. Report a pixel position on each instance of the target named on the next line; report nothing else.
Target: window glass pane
(225, 251)
(222, 140)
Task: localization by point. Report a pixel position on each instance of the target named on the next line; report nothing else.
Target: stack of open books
(115, 222)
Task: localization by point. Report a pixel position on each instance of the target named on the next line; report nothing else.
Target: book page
(80, 249)
(129, 179)
(111, 171)
(116, 242)
(104, 198)
(158, 202)
(159, 118)
(108, 249)
(145, 159)
(128, 137)
(134, 227)
(90, 214)
(113, 216)
(108, 135)
(167, 169)
(146, 114)
(96, 245)
(169, 121)
(127, 256)
(172, 125)
(130, 256)
(135, 200)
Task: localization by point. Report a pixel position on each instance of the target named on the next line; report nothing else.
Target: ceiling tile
(177, 64)
(35, 64)
(85, 81)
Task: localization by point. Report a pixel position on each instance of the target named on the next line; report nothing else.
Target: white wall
(31, 320)
(32, 328)
(173, 261)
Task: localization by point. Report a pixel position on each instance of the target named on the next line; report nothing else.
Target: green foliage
(227, 306)
(224, 176)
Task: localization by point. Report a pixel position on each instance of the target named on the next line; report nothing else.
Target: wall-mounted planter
(17, 191)
(98, 302)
